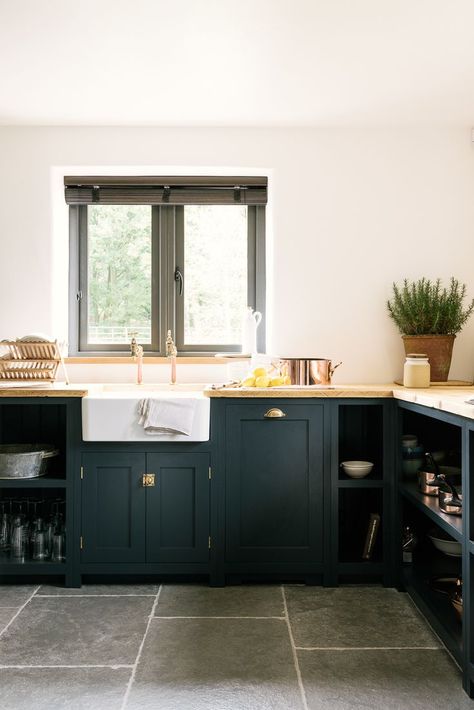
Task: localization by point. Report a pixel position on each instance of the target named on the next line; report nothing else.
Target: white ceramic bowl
(452, 548)
(357, 469)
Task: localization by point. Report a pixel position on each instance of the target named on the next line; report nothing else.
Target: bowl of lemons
(261, 377)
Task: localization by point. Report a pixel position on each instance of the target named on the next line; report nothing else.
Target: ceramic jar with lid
(416, 371)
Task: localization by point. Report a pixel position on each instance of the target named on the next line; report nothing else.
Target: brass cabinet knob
(274, 414)
(148, 479)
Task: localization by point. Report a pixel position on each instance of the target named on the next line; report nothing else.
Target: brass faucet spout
(136, 351)
(171, 352)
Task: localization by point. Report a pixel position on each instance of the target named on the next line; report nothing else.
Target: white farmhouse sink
(110, 412)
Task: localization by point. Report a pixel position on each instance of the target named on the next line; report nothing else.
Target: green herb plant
(423, 307)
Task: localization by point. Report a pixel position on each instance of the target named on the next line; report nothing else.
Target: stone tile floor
(189, 647)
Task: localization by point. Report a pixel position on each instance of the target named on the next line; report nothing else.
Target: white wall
(352, 210)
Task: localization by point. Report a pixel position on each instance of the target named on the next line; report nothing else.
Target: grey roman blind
(165, 190)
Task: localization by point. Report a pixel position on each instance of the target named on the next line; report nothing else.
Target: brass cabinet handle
(274, 414)
(148, 479)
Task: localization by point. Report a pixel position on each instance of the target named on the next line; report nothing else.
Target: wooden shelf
(435, 607)
(452, 524)
(361, 568)
(38, 482)
(8, 566)
(359, 483)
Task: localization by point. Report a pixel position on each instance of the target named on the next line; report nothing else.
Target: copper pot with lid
(450, 499)
(440, 480)
(428, 481)
(308, 371)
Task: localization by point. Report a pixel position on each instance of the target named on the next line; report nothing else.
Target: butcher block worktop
(55, 389)
(300, 392)
(445, 398)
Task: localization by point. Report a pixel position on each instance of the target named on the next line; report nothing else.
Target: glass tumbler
(18, 540)
(58, 553)
(5, 515)
(39, 545)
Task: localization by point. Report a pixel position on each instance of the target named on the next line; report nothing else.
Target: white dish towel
(167, 415)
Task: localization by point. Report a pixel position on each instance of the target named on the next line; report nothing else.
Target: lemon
(248, 382)
(287, 380)
(259, 372)
(276, 381)
(262, 381)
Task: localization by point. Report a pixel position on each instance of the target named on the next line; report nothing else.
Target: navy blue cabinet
(274, 483)
(177, 508)
(145, 508)
(113, 507)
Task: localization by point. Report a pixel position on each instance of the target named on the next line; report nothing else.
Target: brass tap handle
(274, 414)
(171, 350)
(148, 480)
(136, 350)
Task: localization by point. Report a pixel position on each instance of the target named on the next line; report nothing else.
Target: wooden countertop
(55, 389)
(447, 399)
(301, 392)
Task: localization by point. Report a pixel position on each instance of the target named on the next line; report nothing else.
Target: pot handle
(331, 369)
(445, 484)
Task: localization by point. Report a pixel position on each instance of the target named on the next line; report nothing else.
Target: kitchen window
(148, 255)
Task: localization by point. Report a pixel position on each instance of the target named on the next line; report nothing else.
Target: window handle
(178, 277)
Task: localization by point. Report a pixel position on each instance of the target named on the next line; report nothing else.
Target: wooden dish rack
(29, 361)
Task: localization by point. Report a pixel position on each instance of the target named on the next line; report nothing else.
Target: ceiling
(236, 63)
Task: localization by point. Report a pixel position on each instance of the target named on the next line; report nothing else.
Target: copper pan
(308, 371)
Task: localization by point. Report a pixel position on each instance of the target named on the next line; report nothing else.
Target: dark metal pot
(308, 371)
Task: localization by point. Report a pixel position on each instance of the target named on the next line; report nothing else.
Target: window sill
(127, 360)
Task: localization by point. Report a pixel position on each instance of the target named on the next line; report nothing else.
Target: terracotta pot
(438, 348)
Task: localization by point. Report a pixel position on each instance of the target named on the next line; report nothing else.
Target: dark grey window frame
(167, 302)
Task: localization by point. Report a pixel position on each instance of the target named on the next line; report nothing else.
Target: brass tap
(171, 350)
(171, 353)
(136, 350)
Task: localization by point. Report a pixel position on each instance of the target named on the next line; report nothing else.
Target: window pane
(215, 263)
(119, 273)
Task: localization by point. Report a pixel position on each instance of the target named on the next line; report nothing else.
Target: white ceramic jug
(250, 323)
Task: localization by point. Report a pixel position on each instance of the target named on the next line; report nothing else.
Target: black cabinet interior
(37, 424)
(44, 503)
(356, 506)
(434, 435)
(361, 437)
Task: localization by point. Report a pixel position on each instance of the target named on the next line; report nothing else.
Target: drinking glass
(39, 550)
(18, 540)
(5, 522)
(59, 543)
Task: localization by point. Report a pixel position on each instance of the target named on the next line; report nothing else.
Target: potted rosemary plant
(429, 316)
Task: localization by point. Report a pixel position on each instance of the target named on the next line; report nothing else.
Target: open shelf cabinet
(436, 608)
(454, 437)
(361, 432)
(452, 524)
(53, 421)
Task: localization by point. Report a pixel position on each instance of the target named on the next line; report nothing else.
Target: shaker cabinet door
(274, 482)
(113, 507)
(177, 508)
